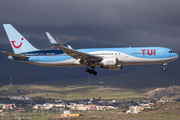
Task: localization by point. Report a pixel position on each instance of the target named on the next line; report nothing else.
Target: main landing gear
(91, 71)
(164, 67)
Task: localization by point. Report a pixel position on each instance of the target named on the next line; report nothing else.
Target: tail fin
(17, 41)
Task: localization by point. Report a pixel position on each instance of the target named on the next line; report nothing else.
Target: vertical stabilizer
(17, 41)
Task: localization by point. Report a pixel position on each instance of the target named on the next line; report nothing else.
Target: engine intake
(109, 62)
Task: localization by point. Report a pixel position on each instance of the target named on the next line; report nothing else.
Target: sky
(110, 23)
(113, 22)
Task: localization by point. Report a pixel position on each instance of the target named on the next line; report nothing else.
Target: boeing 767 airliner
(110, 58)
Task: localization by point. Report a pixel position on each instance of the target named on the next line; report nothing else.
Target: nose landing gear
(164, 67)
(91, 71)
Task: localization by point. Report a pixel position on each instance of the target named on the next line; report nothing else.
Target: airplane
(109, 58)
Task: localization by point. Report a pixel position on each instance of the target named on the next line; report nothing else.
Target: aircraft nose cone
(176, 55)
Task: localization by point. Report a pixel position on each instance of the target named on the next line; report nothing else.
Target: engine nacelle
(109, 62)
(119, 67)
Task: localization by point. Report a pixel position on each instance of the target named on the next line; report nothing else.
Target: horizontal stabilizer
(15, 55)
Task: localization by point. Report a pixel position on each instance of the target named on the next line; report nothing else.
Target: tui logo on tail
(18, 45)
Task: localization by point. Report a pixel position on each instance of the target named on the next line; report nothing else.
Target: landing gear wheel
(94, 73)
(90, 71)
(165, 66)
(87, 70)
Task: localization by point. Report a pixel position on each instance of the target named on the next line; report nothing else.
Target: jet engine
(109, 62)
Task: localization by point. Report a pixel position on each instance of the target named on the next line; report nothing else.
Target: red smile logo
(18, 45)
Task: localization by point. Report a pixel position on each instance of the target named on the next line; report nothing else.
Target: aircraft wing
(15, 55)
(74, 53)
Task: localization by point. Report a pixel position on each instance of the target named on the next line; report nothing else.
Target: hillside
(172, 92)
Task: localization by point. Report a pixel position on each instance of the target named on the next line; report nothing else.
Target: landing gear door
(126, 54)
(159, 53)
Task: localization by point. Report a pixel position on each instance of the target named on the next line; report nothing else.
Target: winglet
(69, 47)
(51, 39)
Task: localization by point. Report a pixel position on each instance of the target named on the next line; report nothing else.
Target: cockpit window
(171, 51)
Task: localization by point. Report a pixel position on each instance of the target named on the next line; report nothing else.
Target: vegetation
(76, 90)
(33, 116)
(43, 92)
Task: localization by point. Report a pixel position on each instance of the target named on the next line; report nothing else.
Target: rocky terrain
(172, 92)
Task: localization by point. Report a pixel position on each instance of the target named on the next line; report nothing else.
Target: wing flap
(77, 54)
(74, 53)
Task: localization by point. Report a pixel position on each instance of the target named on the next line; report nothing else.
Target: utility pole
(10, 80)
(89, 79)
(148, 99)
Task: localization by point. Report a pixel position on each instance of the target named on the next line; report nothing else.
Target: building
(134, 109)
(7, 106)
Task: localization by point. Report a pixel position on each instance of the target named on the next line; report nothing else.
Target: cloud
(115, 22)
